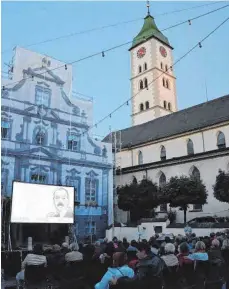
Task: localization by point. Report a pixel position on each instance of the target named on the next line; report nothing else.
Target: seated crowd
(180, 263)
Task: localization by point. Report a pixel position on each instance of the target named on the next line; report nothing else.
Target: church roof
(148, 31)
(190, 119)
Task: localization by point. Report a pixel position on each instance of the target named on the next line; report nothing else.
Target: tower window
(165, 104)
(73, 142)
(141, 106)
(169, 106)
(145, 66)
(167, 84)
(146, 83)
(147, 105)
(141, 84)
(139, 69)
(162, 66)
(163, 81)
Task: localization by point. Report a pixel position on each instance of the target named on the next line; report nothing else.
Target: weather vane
(148, 5)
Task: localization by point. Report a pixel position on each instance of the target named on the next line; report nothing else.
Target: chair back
(35, 274)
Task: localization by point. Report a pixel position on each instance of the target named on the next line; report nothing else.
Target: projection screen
(36, 203)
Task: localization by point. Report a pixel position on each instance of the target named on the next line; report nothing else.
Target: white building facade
(46, 138)
(163, 142)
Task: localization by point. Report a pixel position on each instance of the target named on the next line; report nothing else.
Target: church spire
(148, 6)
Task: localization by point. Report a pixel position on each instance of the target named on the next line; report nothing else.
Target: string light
(189, 22)
(127, 103)
(103, 54)
(200, 45)
(65, 66)
(32, 77)
(3, 88)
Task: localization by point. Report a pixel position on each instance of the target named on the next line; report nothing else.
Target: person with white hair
(74, 255)
(199, 253)
(169, 257)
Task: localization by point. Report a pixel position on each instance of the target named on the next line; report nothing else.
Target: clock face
(163, 51)
(141, 52)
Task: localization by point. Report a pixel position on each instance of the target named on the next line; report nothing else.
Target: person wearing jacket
(119, 269)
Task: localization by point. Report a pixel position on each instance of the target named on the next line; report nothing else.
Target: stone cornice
(34, 115)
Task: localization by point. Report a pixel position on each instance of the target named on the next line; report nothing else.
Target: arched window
(167, 84)
(147, 105)
(139, 69)
(145, 66)
(141, 106)
(146, 83)
(196, 175)
(165, 104)
(166, 67)
(221, 142)
(162, 182)
(190, 148)
(163, 81)
(140, 158)
(163, 153)
(162, 66)
(169, 106)
(141, 84)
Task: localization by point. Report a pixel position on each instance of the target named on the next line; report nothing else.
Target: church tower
(153, 95)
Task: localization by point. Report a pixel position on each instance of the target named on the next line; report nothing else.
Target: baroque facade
(46, 139)
(163, 142)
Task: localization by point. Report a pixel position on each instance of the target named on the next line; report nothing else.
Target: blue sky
(107, 79)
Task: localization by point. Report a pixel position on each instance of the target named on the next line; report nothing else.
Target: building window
(5, 129)
(42, 96)
(141, 84)
(139, 69)
(38, 178)
(141, 106)
(221, 142)
(165, 104)
(146, 83)
(140, 158)
(90, 228)
(163, 153)
(73, 142)
(162, 183)
(169, 106)
(196, 175)
(162, 67)
(166, 67)
(145, 66)
(147, 105)
(90, 190)
(190, 147)
(167, 84)
(163, 81)
(74, 182)
(40, 137)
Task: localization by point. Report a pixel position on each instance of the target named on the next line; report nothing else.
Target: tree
(182, 191)
(221, 187)
(138, 198)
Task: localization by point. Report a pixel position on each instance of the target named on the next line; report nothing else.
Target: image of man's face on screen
(61, 200)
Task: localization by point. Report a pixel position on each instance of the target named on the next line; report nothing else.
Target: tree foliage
(221, 187)
(138, 198)
(182, 191)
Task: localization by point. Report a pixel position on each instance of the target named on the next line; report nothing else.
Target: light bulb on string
(127, 103)
(200, 45)
(65, 67)
(103, 54)
(32, 77)
(189, 22)
(110, 115)
(3, 88)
